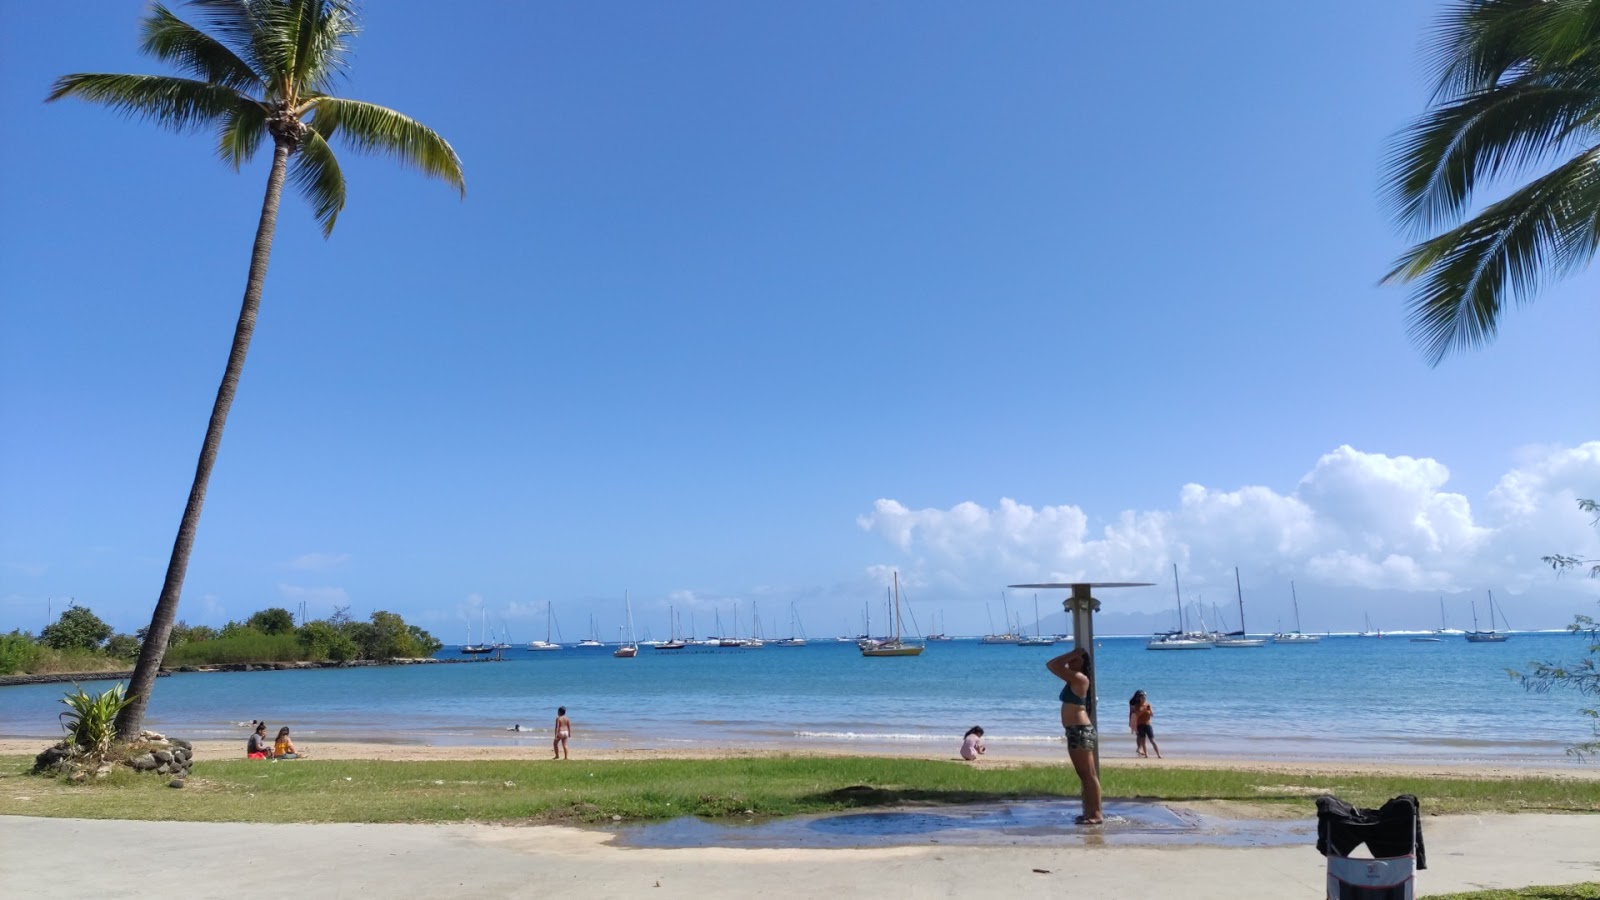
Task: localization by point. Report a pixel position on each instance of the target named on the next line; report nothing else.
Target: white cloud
(1357, 520)
(317, 562)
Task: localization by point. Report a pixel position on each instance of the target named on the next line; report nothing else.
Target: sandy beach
(221, 749)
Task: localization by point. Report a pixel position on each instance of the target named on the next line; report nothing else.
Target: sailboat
(1485, 637)
(483, 645)
(1237, 639)
(1009, 637)
(1444, 628)
(1367, 631)
(630, 648)
(549, 620)
(593, 640)
(1180, 639)
(1038, 639)
(1295, 636)
(797, 632)
(938, 633)
(674, 642)
(894, 646)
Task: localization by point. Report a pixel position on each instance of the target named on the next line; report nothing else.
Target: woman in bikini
(563, 731)
(1075, 669)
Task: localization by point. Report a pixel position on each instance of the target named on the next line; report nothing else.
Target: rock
(162, 755)
(163, 769)
(153, 735)
(51, 757)
(176, 783)
(180, 742)
(143, 762)
(103, 771)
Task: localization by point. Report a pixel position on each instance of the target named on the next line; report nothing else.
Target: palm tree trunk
(131, 720)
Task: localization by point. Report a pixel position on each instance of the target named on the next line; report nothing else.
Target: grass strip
(1589, 890)
(637, 790)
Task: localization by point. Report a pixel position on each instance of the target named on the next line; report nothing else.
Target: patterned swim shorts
(1082, 737)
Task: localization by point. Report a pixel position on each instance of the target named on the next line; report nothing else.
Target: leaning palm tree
(1517, 94)
(261, 69)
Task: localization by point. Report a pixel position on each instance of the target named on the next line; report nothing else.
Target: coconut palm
(260, 69)
(1517, 93)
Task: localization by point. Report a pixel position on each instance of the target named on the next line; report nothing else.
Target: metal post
(1082, 607)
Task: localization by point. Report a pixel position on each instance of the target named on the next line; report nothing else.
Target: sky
(751, 305)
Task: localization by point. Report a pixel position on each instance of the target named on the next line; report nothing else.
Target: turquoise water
(1345, 697)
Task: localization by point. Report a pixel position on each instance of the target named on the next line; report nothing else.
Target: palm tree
(1517, 92)
(263, 71)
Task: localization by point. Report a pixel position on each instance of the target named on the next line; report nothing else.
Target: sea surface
(1344, 698)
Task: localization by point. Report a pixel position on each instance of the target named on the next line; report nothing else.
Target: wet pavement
(1013, 823)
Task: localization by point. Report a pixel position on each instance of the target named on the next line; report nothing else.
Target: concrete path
(117, 859)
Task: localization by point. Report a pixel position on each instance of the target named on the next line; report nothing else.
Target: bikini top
(1067, 696)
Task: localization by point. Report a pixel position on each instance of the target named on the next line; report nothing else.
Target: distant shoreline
(62, 677)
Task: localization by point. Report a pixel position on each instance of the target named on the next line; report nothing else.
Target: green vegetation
(337, 639)
(1516, 91)
(91, 718)
(546, 791)
(1582, 675)
(1589, 890)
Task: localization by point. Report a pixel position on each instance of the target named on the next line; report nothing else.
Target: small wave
(897, 736)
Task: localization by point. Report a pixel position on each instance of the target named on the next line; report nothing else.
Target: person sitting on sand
(283, 748)
(563, 731)
(972, 743)
(1139, 715)
(258, 747)
(1076, 669)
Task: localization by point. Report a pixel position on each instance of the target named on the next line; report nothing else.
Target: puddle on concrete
(1031, 822)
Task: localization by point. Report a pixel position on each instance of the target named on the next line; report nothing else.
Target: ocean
(1344, 698)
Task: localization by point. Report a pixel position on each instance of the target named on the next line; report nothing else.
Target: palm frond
(1477, 42)
(176, 103)
(1467, 274)
(167, 37)
(370, 128)
(241, 132)
(236, 24)
(1435, 165)
(322, 32)
(315, 171)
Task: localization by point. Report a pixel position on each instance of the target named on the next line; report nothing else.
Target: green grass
(548, 791)
(241, 648)
(1589, 890)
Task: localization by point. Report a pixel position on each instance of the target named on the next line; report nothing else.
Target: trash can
(1392, 834)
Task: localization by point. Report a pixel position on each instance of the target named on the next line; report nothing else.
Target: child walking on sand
(563, 731)
(972, 743)
(1139, 715)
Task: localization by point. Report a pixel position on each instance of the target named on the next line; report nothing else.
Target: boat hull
(1485, 637)
(1296, 639)
(1179, 645)
(887, 650)
(1238, 643)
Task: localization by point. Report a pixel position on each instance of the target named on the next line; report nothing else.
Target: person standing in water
(563, 731)
(1139, 715)
(1075, 669)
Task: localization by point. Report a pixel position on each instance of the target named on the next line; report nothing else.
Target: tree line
(81, 641)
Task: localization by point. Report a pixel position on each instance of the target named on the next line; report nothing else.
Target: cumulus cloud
(317, 562)
(1359, 520)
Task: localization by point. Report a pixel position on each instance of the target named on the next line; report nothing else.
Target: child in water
(972, 743)
(1139, 715)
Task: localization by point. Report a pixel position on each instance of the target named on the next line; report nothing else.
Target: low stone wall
(58, 677)
(154, 753)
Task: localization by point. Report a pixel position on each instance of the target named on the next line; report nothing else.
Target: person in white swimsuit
(563, 731)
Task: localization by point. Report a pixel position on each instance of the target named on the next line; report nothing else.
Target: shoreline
(216, 750)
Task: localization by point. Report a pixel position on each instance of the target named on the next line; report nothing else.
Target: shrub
(18, 653)
(90, 719)
(122, 646)
(77, 629)
(243, 646)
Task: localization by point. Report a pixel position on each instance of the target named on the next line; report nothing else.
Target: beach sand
(225, 749)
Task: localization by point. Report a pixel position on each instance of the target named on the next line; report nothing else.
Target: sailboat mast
(1179, 592)
(1295, 599)
(1239, 592)
(897, 606)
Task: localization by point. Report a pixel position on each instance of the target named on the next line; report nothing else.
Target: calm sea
(1346, 697)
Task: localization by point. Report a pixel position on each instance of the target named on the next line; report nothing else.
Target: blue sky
(733, 283)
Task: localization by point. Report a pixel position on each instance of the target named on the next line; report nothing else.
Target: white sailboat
(1009, 637)
(1444, 628)
(1367, 630)
(549, 620)
(674, 642)
(894, 646)
(797, 632)
(593, 640)
(1295, 636)
(1180, 639)
(1485, 637)
(1238, 639)
(629, 648)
